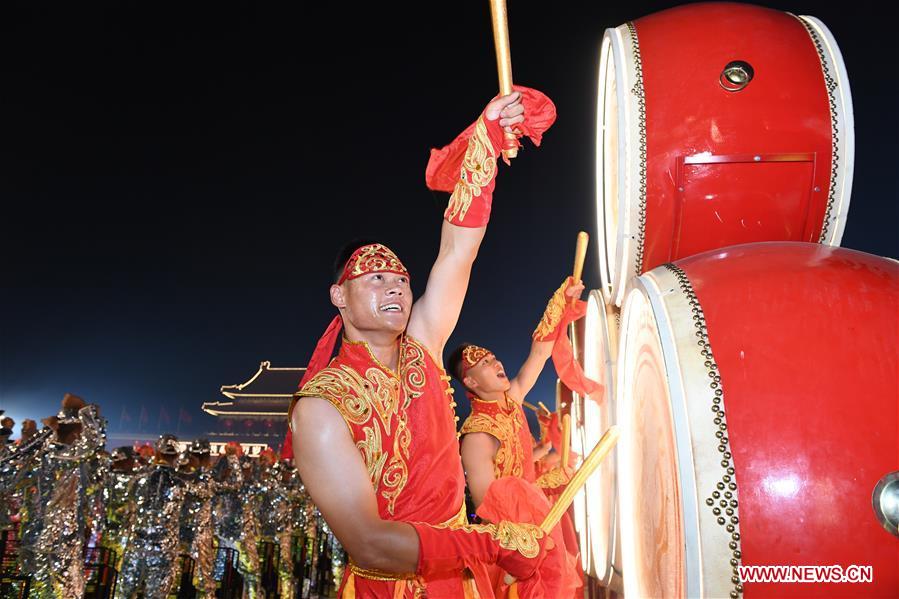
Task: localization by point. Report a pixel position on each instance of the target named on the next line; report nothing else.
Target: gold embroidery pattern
(359, 398)
(344, 388)
(380, 575)
(412, 371)
(478, 169)
(505, 427)
(512, 536)
(552, 315)
(373, 258)
(372, 453)
(397, 473)
(553, 479)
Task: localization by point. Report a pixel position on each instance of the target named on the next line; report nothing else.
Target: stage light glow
(782, 486)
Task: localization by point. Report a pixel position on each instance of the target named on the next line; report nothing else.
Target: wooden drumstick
(580, 254)
(566, 440)
(503, 65)
(544, 408)
(597, 455)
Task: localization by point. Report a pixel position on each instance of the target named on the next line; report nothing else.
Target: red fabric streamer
(568, 369)
(321, 356)
(467, 166)
(442, 172)
(516, 500)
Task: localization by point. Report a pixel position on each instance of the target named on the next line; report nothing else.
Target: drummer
(497, 447)
(496, 439)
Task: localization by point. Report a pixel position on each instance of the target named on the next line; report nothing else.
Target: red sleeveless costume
(508, 425)
(404, 425)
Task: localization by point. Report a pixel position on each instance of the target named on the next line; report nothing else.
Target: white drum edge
(602, 494)
(618, 268)
(605, 253)
(651, 290)
(840, 97)
(708, 479)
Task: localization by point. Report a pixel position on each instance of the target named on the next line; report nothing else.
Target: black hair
(454, 362)
(345, 252)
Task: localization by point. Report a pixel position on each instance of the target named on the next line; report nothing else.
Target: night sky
(175, 184)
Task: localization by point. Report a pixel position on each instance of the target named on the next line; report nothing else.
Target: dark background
(176, 179)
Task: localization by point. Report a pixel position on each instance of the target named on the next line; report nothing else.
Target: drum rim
(617, 269)
(843, 113)
(683, 337)
(652, 296)
(597, 302)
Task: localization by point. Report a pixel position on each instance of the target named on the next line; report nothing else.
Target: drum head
(652, 529)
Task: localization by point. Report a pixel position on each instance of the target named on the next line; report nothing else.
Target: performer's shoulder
(414, 346)
(332, 383)
(480, 423)
(344, 388)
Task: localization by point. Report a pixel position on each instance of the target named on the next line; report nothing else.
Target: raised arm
(338, 483)
(435, 314)
(530, 371)
(542, 346)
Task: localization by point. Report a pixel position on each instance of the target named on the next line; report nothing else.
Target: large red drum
(718, 124)
(757, 396)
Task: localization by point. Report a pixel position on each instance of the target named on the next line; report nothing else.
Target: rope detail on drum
(831, 85)
(722, 501)
(639, 92)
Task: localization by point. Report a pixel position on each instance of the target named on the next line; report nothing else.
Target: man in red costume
(497, 442)
(373, 432)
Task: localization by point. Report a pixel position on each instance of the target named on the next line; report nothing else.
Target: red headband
(372, 258)
(471, 355)
(367, 259)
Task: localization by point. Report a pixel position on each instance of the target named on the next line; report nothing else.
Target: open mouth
(501, 374)
(391, 308)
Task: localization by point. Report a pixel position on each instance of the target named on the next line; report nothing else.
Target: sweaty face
(379, 301)
(487, 375)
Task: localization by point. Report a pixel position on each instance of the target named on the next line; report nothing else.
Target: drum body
(597, 517)
(757, 395)
(689, 161)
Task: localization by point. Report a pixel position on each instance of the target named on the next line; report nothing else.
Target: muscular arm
(478, 451)
(526, 378)
(435, 314)
(338, 483)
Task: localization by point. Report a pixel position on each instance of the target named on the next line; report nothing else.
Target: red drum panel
(784, 109)
(805, 337)
(741, 200)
